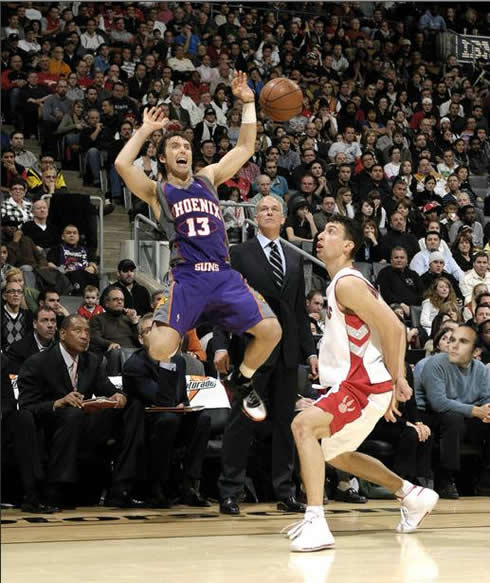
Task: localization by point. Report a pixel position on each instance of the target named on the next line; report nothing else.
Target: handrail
(100, 238)
(137, 219)
(306, 255)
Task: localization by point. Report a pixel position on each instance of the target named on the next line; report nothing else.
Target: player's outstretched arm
(136, 180)
(353, 294)
(231, 163)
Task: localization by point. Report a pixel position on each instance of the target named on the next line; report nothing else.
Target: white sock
(404, 490)
(246, 371)
(316, 511)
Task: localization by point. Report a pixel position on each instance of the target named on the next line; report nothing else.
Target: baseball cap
(436, 256)
(13, 36)
(311, 56)
(444, 119)
(126, 265)
(427, 100)
(430, 206)
(209, 111)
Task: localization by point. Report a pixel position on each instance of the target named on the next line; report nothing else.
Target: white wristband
(248, 113)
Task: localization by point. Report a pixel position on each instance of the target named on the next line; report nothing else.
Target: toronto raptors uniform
(351, 363)
(202, 283)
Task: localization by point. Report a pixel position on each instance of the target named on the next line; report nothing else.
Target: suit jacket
(145, 380)
(44, 378)
(8, 403)
(20, 351)
(287, 303)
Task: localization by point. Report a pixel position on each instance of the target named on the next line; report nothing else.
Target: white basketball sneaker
(310, 534)
(414, 508)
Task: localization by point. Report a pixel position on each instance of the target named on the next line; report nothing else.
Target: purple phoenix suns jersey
(192, 221)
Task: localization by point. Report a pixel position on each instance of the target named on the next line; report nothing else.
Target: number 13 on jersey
(198, 227)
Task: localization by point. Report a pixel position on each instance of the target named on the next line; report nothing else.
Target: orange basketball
(281, 99)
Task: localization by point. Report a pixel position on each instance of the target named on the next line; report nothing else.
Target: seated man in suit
(164, 385)
(20, 444)
(40, 339)
(53, 385)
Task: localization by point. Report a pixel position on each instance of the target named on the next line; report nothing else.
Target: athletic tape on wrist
(248, 113)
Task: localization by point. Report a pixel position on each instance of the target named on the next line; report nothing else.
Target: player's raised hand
(155, 119)
(241, 89)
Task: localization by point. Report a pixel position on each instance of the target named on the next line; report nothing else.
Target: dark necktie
(276, 263)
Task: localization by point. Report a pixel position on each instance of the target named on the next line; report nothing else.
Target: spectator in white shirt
(90, 40)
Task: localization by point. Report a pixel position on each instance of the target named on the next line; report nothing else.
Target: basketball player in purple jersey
(202, 282)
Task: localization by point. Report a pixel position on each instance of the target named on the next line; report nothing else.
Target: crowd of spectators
(393, 133)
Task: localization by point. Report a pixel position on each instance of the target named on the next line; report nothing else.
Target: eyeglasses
(14, 292)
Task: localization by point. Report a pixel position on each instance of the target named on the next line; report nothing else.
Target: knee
(301, 427)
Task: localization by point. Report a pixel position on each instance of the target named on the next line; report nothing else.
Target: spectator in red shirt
(194, 88)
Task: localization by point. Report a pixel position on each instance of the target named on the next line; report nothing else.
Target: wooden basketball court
(99, 545)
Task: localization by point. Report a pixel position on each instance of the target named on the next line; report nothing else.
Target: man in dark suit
(40, 339)
(164, 385)
(20, 448)
(276, 272)
(53, 385)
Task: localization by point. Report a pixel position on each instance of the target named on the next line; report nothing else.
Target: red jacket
(87, 314)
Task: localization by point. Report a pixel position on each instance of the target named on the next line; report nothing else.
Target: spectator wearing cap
(136, 296)
(176, 111)
(467, 220)
(479, 274)
(421, 260)
(208, 128)
(437, 269)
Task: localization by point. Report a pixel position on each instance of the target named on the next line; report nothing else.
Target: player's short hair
(163, 144)
(352, 231)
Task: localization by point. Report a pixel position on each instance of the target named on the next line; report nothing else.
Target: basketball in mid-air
(281, 99)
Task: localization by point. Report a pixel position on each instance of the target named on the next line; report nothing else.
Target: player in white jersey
(362, 361)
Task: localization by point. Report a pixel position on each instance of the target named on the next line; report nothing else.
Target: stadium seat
(415, 313)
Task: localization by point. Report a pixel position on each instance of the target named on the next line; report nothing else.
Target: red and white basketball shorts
(355, 409)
